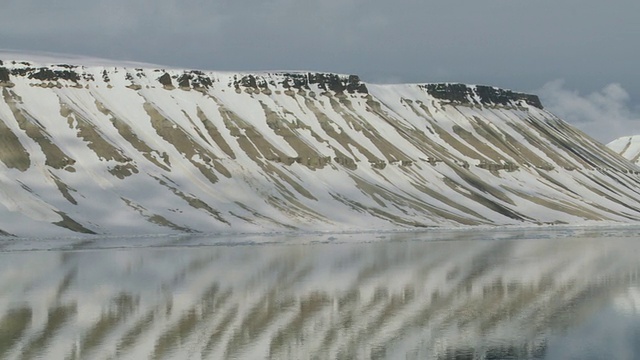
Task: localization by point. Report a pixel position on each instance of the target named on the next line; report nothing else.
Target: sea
(550, 292)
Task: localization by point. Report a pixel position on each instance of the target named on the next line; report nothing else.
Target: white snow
(423, 182)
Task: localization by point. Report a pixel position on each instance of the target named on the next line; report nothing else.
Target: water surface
(490, 294)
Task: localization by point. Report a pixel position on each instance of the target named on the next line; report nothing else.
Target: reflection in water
(401, 297)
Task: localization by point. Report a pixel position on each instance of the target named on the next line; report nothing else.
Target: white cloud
(605, 114)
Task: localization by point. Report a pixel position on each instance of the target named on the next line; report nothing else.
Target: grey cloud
(605, 114)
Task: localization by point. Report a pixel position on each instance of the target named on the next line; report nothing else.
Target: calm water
(509, 294)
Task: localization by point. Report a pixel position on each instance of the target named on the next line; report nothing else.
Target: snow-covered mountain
(627, 146)
(129, 150)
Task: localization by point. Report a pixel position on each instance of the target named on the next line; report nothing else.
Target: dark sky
(572, 50)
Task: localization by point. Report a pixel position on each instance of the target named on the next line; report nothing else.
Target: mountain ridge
(627, 146)
(119, 150)
(200, 80)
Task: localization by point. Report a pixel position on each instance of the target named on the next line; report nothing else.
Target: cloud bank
(605, 115)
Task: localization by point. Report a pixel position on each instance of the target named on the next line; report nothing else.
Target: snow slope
(110, 149)
(627, 146)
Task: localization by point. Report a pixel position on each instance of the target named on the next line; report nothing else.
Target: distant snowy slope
(627, 146)
(112, 149)
(45, 57)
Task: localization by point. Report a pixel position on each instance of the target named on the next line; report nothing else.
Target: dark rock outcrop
(328, 82)
(480, 94)
(165, 80)
(46, 74)
(4, 75)
(338, 83)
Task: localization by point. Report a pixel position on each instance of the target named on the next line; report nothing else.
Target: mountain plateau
(113, 150)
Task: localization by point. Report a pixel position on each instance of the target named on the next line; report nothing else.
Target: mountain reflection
(401, 297)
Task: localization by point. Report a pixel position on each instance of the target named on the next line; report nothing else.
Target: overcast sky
(576, 54)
